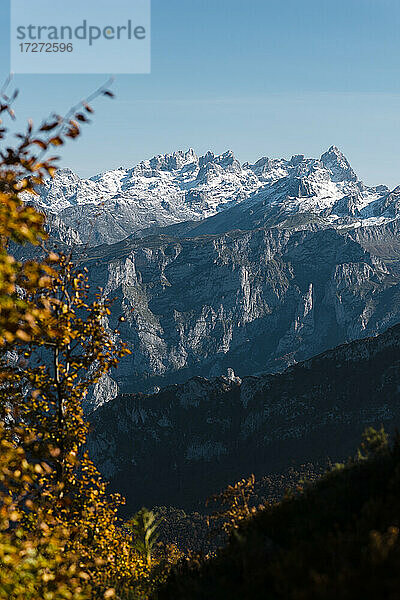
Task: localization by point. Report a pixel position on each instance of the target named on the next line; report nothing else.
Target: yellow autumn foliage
(61, 537)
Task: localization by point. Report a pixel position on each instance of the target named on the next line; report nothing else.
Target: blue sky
(263, 78)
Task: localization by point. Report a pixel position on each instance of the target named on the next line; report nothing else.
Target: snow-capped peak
(338, 165)
(182, 186)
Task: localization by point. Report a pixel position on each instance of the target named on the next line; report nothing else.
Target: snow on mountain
(338, 165)
(180, 187)
(161, 191)
(216, 264)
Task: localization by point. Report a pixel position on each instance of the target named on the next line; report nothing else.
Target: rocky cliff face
(187, 441)
(217, 264)
(256, 301)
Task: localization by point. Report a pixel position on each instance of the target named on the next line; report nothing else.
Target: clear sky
(263, 78)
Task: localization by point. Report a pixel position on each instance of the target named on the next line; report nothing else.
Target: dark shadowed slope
(180, 445)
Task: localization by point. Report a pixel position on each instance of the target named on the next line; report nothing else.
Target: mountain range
(217, 265)
(231, 283)
(181, 187)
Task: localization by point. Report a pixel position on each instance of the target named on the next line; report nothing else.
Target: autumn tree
(24, 166)
(234, 505)
(60, 535)
(46, 386)
(35, 565)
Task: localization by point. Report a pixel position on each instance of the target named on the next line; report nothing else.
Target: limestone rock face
(255, 301)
